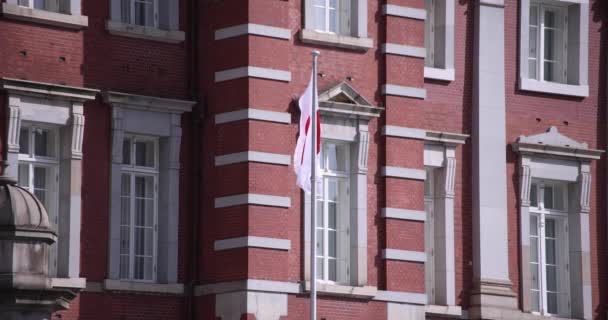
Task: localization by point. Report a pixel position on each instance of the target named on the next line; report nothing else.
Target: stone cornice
(553, 143)
(45, 89)
(139, 102)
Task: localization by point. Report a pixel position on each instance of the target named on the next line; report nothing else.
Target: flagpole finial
(316, 53)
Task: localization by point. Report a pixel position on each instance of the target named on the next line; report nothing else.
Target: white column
(492, 287)
(115, 187)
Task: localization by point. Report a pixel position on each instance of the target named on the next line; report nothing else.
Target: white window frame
(576, 60)
(561, 38)
(342, 219)
(326, 7)
(133, 171)
(131, 18)
(439, 40)
(560, 216)
(51, 163)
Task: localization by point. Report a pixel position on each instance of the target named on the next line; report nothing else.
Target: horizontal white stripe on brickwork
(252, 199)
(409, 51)
(252, 242)
(406, 173)
(403, 132)
(404, 214)
(254, 72)
(248, 285)
(253, 29)
(402, 91)
(253, 114)
(404, 255)
(252, 156)
(405, 12)
(401, 297)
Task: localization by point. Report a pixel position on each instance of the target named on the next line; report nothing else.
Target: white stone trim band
(252, 199)
(402, 91)
(404, 255)
(252, 241)
(406, 173)
(252, 29)
(401, 297)
(253, 156)
(404, 132)
(401, 50)
(448, 74)
(405, 12)
(254, 72)
(248, 285)
(119, 285)
(253, 114)
(404, 214)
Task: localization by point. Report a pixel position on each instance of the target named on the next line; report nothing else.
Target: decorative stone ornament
(26, 291)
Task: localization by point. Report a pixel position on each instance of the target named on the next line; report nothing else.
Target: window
(139, 198)
(332, 16)
(333, 211)
(429, 234)
(553, 56)
(548, 43)
(549, 252)
(39, 173)
(140, 12)
(439, 40)
(60, 6)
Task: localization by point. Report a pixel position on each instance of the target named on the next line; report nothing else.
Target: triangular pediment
(552, 138)
(344, 99)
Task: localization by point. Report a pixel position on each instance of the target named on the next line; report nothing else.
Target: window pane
(549, 71)
(144, 13)
(533, 249)
(552, 303)
(320, 19)
(148, 268)
(332, 270)
(551, 278)
(534, 225)
(24, 176)
(24, 3)
(138, 268)
(24, 141)
(534, 276)
(332, 214)
(320, 247)
(40, 184)
(549, 19)
(332, 245)
(144, 153)
(333, 20)
(43, 143)
(535, 301)
(549, 44)
(125, 6)
(144, 187)
(534, 195)
(336, 157)
(332, 192)
(124, 240)
(533, 15)
(550, 248)
(550, 228)
(39, 4)
(532, 69)
(320, 268)
(558, 197)
(126, 151)
(548, 197)
(124, 266)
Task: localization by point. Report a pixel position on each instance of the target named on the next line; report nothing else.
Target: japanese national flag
(302, 155)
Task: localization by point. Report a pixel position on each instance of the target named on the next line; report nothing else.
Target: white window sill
(69, 21)
(449, 311)
(439, 74)
(365, 292)
(118, 285)
(335, 40)
(71, 283)
(553, 88)
(133, 31)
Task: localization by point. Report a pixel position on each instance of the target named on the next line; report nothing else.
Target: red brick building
(463, 155)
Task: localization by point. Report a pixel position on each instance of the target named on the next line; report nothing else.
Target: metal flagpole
(313, 194)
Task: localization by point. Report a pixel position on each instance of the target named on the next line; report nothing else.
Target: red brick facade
(93, 58)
